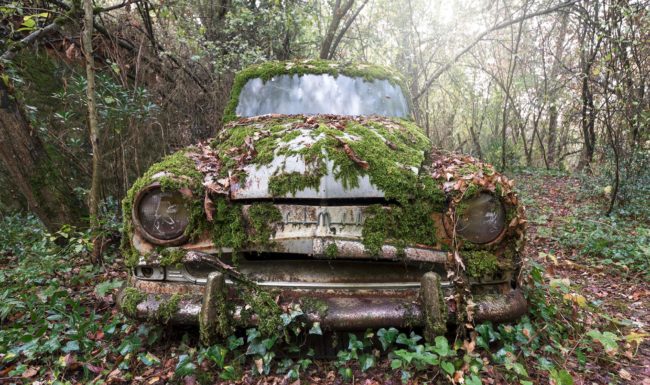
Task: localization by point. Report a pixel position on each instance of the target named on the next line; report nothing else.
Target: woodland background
(556, 85)
(553, 92)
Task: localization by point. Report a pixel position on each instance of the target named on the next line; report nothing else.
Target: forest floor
(58, 322)
(621, 295)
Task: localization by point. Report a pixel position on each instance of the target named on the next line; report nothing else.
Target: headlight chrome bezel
(449, 223)
(141, 229)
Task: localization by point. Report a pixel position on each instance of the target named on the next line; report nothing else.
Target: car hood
(315, 157)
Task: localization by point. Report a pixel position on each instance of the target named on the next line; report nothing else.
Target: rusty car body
(321, 192)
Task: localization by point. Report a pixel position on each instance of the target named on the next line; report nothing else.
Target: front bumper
(342, 308)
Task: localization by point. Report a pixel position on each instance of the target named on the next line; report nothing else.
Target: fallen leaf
(208, 207)
(354, 157)
(30, 372)
(259, 365)
(70, 52)
(625, 374)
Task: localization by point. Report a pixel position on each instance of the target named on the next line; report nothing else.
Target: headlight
(163, 216)
(480, 219)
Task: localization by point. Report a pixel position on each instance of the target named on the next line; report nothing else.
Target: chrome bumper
(347, 309)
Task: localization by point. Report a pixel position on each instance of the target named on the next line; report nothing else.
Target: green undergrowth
(561, 335)
(268, 70)
(55, 309)
(621, 244)
(57, 326)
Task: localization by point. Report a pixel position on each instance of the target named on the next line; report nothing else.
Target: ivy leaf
(442, 346)
(108, 286)
(185, 366)
(474, 380)
(315, 329)
(561, 378)
(71, 346)
(148, 359)
(229, 373)
(234, 342)
(387, 337)
(366, 361)
(448, 367)
(217, 354)
(607, 339)
(346, 373)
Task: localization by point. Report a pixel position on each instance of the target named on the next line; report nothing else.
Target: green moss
(392, 170)
(262, 218)
(480, 263)
(268, 70)
(292, 182)
(375, 229)
(393, 149)
(469, 169)
(263, 306)
(331, 251)
(228, 229)
(400, 225)
(168, 308)
(130, 300)
(291, 135)
(223, 326)
(171, 256)
(314, 306)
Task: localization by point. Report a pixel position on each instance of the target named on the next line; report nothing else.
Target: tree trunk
(338, 13)
(96, 184)
(551, 143)
(588, 122)
(31, 170)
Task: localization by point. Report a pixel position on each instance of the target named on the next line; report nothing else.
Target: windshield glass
(321, 94)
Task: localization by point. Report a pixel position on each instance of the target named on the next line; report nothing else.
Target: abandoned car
(320, 192)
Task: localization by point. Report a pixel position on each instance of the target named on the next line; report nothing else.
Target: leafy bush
(634, 188)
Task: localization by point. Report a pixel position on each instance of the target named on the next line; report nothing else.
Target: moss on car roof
(268, 70)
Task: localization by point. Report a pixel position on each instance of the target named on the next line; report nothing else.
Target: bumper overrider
(336, 306)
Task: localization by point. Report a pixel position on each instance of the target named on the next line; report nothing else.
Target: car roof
(268, 70)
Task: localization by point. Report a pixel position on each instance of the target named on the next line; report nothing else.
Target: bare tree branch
(480, 37)
(29, 39)
(345, 28)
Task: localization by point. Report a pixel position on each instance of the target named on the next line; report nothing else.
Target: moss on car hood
(322, 156)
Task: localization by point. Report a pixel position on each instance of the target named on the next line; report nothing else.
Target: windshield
(321, 94)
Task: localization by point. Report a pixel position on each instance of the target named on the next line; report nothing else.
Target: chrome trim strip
(339, 285)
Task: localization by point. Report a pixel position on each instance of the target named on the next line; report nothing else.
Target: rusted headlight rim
(449, 228)
(187, 193)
